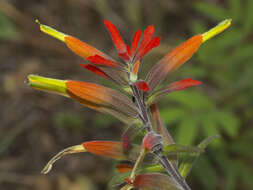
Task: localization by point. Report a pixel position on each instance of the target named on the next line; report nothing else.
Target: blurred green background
(35, 125)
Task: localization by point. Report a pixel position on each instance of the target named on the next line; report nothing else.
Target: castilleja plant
(154, 163)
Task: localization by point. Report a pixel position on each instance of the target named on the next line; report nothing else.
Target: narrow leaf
(159, 126)
(188, 160)
(179, 148)
(176, 86)
(172, 61)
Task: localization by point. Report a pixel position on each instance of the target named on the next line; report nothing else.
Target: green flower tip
(52, 32)
(216, 30)
(48, 84)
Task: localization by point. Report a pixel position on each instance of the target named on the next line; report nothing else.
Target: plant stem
(142, 107)
(137, 164)
(167, 165)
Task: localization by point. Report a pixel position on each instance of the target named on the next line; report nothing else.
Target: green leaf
(179, 148)
(188, 160)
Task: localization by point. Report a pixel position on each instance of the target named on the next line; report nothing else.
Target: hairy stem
(142, 107)
(167, 165)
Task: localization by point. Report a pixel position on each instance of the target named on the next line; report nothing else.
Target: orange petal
(109, 149)
(136, 67)
(81, 48)
(97, 96)
(173, 60)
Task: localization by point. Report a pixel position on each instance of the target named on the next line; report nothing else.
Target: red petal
(97, 59)
(116, 38)
(95, 70)
(147, 36)
(124, 56)
(142, 85)
(128, 50)
(152, 44)
(182, 84)
(135, 41)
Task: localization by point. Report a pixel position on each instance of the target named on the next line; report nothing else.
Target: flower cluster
(136, 108)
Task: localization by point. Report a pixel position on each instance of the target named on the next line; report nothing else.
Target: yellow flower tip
(216, 30)
(48, 84)
(69, 150)
(51, 32)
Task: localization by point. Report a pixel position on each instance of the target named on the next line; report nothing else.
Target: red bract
(97, 59)
(142, 85)
(117, 40)
(95, 70)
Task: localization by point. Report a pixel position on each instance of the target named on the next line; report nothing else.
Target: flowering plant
(145, 166)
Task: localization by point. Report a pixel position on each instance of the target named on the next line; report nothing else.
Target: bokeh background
(36, 125)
